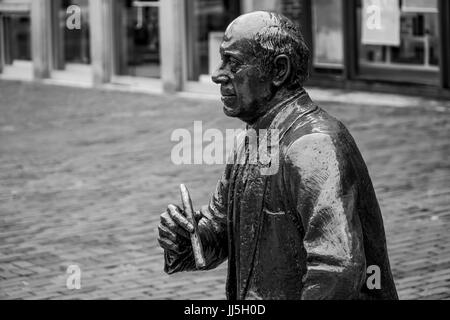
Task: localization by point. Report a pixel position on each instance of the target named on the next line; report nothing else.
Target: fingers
(175, 229)
(168, 245)
(203, 213)
(170, 241)
(179, 219)
(165, 233)
(170, 224)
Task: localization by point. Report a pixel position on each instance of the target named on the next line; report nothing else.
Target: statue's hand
(175, 230)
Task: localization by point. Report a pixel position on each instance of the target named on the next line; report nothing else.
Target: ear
(282, 69)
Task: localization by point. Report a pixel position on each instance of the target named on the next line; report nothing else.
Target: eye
(234, 64)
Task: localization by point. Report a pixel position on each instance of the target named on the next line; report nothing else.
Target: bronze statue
(312, 229)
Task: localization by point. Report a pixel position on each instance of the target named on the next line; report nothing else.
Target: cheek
(258, 86)
(241, 88)
(249, 85)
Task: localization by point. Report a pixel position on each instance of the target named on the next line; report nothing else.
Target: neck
(279, 99)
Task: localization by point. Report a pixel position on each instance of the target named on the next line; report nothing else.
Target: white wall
(255, 5)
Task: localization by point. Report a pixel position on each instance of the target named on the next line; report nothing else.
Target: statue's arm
(322, 185)
(212, 228)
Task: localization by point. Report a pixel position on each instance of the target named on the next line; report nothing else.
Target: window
(16, 44)
(71, 45)
(416, 55)
(328, 34)
(139, 39)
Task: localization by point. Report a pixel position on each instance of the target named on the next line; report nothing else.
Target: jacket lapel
(256, 180)
(249, 224)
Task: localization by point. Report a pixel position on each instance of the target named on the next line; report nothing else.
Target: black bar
(350, 39)
(223, 309)
(444, 22)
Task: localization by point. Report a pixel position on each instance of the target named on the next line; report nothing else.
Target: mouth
(228, 100)
(227, 92)
(228, 95)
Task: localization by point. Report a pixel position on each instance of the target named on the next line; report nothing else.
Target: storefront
(381, 43)
(173, 45)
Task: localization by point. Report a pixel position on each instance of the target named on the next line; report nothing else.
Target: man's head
(263, 54)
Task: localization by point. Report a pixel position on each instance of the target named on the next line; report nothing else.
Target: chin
(230, 112)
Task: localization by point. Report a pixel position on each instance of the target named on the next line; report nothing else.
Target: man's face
(244, 85)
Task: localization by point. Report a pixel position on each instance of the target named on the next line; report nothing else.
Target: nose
(220, 77)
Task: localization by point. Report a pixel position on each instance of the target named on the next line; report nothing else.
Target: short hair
(283, 36)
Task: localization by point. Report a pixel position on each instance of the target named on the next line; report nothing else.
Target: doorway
(15, 46)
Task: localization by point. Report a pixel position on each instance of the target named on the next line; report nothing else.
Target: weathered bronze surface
(309, 231)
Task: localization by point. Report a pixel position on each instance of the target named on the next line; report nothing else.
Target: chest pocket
(272, 213)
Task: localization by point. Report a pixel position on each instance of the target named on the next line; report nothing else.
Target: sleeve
(322, 184)
(212, 231)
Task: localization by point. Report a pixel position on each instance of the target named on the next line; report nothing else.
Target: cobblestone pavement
(85, 174)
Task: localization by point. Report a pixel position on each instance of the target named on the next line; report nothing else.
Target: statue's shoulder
(315, 125)
(318, 137)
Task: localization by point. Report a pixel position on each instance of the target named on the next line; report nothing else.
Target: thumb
(198, 215)
(202, 213)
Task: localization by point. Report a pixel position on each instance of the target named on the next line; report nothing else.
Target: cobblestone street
(85, 175)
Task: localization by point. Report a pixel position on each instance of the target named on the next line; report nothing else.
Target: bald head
(248, 25)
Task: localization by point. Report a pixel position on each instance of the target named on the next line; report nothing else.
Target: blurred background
(92, 90)
(173, 45)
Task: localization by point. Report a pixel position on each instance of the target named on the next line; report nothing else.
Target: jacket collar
(266, 120)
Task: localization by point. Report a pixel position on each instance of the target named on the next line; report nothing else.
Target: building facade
(172, 45)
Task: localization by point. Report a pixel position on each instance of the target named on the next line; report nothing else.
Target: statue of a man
(313, 228)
